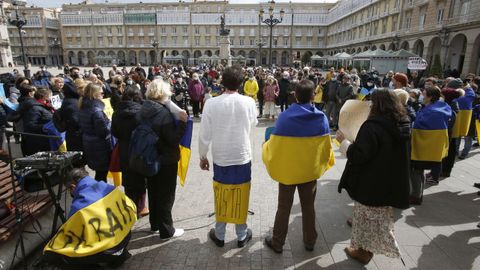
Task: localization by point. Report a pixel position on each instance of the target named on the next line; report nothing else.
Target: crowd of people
(416, 123)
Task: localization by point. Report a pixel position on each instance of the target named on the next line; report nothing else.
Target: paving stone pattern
(440, 234)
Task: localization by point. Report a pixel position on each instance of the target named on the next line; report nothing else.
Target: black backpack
(143, 155)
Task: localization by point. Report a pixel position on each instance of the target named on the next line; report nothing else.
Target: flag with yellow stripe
(299, 149)
(430, 133)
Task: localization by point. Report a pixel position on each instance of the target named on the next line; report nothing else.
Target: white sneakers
(178, 232)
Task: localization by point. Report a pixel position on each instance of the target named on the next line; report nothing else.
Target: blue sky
(59, 3)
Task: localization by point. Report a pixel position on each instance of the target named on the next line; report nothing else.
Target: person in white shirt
(226, 124)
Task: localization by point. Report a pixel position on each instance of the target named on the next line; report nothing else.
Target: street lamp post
(155, 44)
(271, 22)
(19, 22)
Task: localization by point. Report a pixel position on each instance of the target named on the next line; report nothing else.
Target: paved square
(440, 234)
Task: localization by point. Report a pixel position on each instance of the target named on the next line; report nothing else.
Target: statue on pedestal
(225, 57)
(223, 31)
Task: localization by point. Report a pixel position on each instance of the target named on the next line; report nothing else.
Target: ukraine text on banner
(299, 149)
(101, 221)
(185, 151)
(430, 133)
(56, 144)
(464, 116)
(231, 188)
(231, 202)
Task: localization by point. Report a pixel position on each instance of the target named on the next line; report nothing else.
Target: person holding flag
(227, 122)
(298, 152)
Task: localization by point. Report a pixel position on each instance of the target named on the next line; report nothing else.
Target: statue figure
(223, 31)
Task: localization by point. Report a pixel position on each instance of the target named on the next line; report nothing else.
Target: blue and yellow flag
(59, 144)
(231, 188)
(100, 218)
(299, 149)
(185, 152)
(364, 92)
(430, 133)
(464, 116)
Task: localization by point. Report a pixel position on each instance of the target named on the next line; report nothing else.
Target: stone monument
(225, 57)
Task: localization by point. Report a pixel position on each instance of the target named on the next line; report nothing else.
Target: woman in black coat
(95, 128)
(161, 187)
(69, 114)
(35, 112)
(124, 121)
(377, 176)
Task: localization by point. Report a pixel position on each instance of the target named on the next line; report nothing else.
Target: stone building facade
(446, 29)
(41, 35)
(187, 31)
(5, 50)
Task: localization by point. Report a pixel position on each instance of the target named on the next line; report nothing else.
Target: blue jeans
(466, 147)
(240, 229)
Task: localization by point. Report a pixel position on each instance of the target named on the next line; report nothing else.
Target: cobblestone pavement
(440, 234)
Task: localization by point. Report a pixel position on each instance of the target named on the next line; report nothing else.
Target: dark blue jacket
(34, 116)
(69, 111)
(96, 137)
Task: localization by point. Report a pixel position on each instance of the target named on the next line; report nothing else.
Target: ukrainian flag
(299, 149)
(59, 144)
(364, 92)
(101, 218)
(185, 152)
(464, 116)
(430, 133)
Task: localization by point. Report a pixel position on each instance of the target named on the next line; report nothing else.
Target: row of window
(285, 31)
(233, 18)
(207, 41)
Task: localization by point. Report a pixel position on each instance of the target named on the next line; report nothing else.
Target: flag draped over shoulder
(59, 144)
(299, 149)
(101, 217)
(430, 133)
(185, 151)
(464, 116)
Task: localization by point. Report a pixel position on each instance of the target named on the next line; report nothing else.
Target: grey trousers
(417, 183)
(332, 112)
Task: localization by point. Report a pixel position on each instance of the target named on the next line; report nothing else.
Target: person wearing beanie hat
(400, 80)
